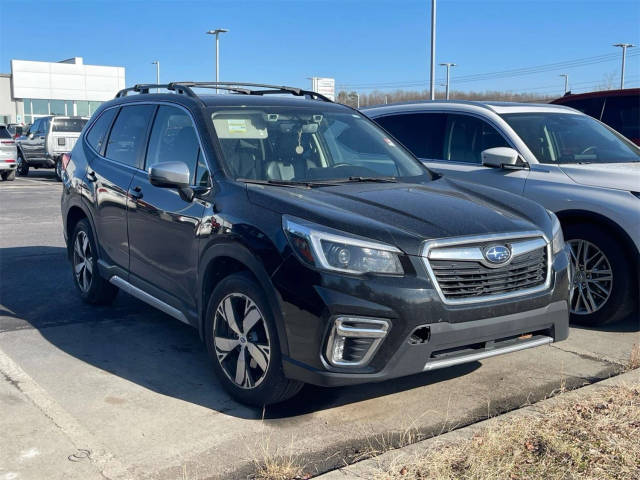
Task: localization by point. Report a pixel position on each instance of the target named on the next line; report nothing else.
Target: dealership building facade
(69, 87)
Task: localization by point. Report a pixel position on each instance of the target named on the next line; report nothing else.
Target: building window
(40, 107)
(82, 108)
(57, 107)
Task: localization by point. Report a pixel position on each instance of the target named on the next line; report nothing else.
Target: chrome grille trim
(466, 249)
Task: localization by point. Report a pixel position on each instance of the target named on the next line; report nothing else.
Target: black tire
(92, 287)
(9, 176)
(271, 386)
(23, 166)
(58, 169)
(619, 302)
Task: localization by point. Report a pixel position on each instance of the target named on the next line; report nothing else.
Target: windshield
(571, 138)
(293, 144)
(68, 124)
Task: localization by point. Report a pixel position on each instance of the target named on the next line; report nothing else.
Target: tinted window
(571, 138)
(466, 137)
(128, 134)
(35, 127)
(422, 133)
(4, 133)
(100, 129)
(68, 124)
(173, 139)
(590, 106)
(202, 172)
(623, 114)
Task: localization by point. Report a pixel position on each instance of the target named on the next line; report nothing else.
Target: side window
(623, 114)
(100, 129)
(44, 126)
(173, 139)
(421, 133)
(466, 137)
(34, 128)
(127, 139)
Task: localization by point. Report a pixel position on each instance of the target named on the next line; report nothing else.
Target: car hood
(406, 214)
(621, 176)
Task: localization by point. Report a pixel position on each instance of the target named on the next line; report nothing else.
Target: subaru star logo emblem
(497, 254)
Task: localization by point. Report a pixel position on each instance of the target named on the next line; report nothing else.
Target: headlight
(338, 251)
(557, 241)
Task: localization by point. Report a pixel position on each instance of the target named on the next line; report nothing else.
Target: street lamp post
(432, 88)
(157, 64)
(217, 33)
(566, 82)
(448, 65)
(624, 47)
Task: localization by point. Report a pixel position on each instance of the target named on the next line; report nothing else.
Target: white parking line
(81, 438)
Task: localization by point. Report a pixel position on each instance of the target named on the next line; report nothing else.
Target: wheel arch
(220, 261)
(584, 216)
(74, 214)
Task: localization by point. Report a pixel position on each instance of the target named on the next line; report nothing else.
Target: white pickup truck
(46, 141)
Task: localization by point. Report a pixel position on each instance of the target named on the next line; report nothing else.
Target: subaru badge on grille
(497, 254)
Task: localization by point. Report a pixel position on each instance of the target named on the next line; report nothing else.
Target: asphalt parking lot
(126, 392)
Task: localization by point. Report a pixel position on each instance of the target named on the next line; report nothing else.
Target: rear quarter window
(129, 133)
(100, 129)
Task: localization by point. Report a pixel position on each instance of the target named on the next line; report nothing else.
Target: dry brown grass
(278, 469)
(596, 437)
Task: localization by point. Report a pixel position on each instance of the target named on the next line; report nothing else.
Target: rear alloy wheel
(23, 166)
(242, 342)
(602, 282)
(86, 277)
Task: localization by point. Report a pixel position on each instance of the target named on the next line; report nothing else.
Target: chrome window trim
(156, 103)
(430, 245)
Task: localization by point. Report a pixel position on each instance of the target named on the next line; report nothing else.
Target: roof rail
(185, 88)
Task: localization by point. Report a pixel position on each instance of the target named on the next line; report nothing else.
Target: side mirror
(30, 135)
(170, 175)
(502, 157)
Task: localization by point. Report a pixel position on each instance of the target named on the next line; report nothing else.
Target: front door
(28, 144)
(163, 224)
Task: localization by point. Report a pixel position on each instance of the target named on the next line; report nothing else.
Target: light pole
(217, 33)
(157, 64)
(566, 82)
(448, 65)
(433, 50)
(624, 54)
(357, 95)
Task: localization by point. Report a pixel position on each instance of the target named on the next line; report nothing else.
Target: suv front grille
(462, 274)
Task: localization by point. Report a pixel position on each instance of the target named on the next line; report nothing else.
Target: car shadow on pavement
(629, 324)
(137, 343)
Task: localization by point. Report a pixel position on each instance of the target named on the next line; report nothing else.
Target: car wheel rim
(592, 277)
(83, 261)
(241, 340)
(58, 169)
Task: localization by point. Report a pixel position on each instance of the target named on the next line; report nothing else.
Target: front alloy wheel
(592, 277)
(241, 340)
(82, 261)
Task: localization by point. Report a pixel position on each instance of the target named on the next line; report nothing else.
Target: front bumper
(312, 300)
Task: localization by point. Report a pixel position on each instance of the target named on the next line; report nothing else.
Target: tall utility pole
(433, 51)
(566, 82)
(157, 64)
(217, 33)
(624, 54)
(448, 65)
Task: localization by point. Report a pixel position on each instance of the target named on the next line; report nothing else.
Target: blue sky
(363, 43)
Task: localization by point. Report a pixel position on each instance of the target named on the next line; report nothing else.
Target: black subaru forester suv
(302, 241)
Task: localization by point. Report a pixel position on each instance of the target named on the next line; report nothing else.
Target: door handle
(136, 193)
(91, 176)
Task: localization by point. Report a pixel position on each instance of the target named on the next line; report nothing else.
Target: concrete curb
(366, 468)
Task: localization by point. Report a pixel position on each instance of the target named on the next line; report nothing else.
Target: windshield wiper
(285, 183)
(372, 179)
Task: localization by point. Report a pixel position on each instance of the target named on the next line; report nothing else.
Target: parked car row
(303, 242)
(46, 140)
(8, 154)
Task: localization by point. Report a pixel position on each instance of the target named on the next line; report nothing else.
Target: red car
(620, 109)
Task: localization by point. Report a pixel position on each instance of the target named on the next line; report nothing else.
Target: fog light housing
(353, 340)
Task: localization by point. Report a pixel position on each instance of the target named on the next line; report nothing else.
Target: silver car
(582, 170)
(8, 154)
(46, 141)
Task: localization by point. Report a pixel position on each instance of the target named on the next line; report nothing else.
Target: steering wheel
(588, 149)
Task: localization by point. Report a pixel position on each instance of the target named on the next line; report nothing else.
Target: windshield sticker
(389, 142)
(237, 125)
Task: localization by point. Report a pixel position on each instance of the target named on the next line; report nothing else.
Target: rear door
(162, 223)
(28, 145)
(117, 140)
(451, 144)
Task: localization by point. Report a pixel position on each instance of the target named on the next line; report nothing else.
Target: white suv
(574, 165)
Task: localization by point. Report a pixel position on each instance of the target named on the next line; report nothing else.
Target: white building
(68, 87)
